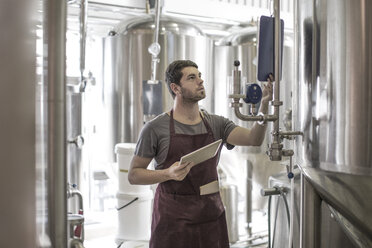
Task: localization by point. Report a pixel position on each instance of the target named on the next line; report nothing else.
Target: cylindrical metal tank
(331, 233)
(334, 105)
(128, 64)
(229, 197)
(75, 142)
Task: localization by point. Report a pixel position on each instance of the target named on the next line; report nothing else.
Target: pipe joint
(287, 153)
(276, 103)
(275, 151)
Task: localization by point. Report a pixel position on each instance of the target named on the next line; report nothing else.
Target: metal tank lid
(167, 24)
(243, 36)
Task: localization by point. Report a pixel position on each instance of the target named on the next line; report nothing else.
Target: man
(183, 216)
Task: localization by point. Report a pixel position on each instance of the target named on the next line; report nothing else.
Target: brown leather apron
(182, 217)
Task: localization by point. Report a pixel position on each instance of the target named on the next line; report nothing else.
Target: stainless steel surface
(155, 48)
(346, 193)
(310, 216)
(334, 104)
(75, 140)
(280, 207)
(323, 226)
(55, 67)
(83, 34)
(270, 191)
(128, 64)
(76, 193)
(276, 84)
(237, 95)
(349, 236)
(248, 198)
(237, 46)
(229, 196)
(17, 125)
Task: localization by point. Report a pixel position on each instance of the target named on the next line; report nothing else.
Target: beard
(189, 96)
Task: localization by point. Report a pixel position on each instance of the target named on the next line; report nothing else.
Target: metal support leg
(310, 215)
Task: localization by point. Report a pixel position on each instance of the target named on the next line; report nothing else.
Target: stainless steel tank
(331, 232)
(334, 106)
(229, 197)
(128, 64)
(75, 142)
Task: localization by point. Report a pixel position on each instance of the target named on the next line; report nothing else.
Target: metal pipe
(291, 133)
(157, 20)
(263, 118)
(75, 192)
(236, 96)
(275, 149)
(273, 191)
(55, 42)
(154, 48)
(83, 35)
(276, 86)
(236, 78)
(249, 198)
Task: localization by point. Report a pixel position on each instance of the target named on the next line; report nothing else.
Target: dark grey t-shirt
(153, 141)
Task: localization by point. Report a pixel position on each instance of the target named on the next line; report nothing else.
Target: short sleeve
(228, 127)
(222, 127)
(147, 142)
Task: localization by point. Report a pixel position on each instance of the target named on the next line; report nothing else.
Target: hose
(286, 208)
(269, 222)
(276, 216)
(292, 212)
(271, 242)
(126, 205)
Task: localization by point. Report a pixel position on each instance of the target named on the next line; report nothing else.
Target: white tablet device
(202, 154)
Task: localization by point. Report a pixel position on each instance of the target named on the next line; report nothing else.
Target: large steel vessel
(127, 63)
(334, 110)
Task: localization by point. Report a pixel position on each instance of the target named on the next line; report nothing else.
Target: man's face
(192, 89)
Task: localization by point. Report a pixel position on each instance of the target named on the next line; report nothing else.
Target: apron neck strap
(171, 123)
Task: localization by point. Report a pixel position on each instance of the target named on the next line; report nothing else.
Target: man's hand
(267, 93)
(179, 171)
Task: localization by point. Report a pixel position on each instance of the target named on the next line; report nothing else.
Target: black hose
(126, 205)
(276, 216)
(287, 209)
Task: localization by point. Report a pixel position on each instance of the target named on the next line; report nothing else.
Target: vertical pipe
(310, 215)
(83, 35)
(249, 197)
(155, 46)
(157, 20)
(55, 57)
(276, 87)
(236, 79)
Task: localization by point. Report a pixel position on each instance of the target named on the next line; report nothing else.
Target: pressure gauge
(253, 93)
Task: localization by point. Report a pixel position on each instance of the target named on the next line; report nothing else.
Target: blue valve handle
(290, 175)
(253, 94)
